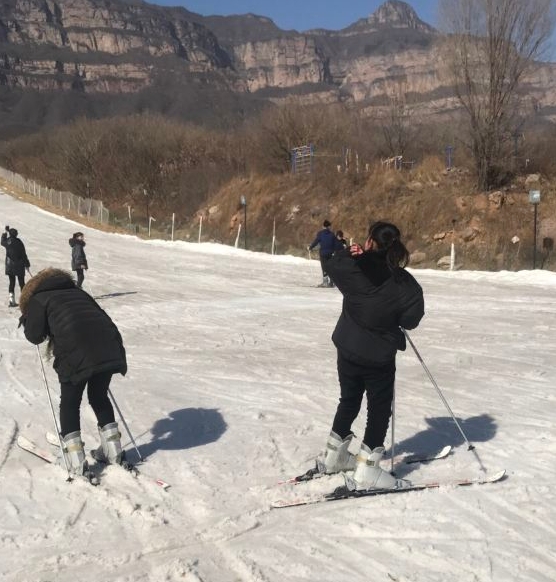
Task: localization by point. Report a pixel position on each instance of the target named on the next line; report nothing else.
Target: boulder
(417, 258)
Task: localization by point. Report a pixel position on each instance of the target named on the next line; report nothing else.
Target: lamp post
(243, 202)
(534, 199)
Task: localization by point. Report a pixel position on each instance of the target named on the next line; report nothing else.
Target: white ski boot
(369, 475)
(337, 457)
(110, 450)
(74, 453)
(12, 302)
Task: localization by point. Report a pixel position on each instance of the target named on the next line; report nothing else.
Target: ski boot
(369, 475)
(12, 302)
(74, 453)
(337, 457)
(110, 450)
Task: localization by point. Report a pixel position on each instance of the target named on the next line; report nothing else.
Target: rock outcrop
(123, 46)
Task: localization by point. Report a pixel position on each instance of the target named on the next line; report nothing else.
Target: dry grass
(423, 202)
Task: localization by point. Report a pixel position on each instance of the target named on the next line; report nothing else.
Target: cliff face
(42, 42)
(125, 46)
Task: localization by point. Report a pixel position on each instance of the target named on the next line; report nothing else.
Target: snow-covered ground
(232, 386)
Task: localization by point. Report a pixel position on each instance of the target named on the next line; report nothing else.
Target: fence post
(200, 226)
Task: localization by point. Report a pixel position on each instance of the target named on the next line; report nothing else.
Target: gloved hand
(22, 321)
(7, 229)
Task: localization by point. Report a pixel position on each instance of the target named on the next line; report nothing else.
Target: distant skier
(327, 243)
(78, 257)
(16, 261)
(87, 348)
(380, 296)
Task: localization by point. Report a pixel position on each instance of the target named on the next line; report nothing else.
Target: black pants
(378, 383)
(20, 280)
(70, 402)
(80, 277)
(323, 261)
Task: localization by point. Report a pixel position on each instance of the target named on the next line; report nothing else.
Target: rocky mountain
(128, 55)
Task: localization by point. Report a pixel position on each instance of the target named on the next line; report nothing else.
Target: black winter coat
(78, 257)
(16, 257)
(377, 302)
(85, 341)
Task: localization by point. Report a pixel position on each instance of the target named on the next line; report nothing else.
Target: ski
(344, 493)
(53, 440)
(29, 446)
(402, 458)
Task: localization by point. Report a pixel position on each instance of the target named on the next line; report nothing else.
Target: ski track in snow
(232, 386)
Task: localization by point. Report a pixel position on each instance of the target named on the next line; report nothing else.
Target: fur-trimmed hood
(45, 280)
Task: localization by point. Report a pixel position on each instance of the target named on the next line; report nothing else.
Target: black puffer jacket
(16, 257)
(78, 257)
(377, 302)
(85, 341)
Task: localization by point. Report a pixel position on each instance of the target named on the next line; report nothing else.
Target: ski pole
(124, 423)
(393, 446)
(470, 447)
(70, 478)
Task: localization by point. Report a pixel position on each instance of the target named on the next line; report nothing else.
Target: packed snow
(232, 387)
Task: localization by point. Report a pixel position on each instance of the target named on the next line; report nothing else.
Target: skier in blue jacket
(328, 244)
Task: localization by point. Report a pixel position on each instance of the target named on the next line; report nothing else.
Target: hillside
(433, 208)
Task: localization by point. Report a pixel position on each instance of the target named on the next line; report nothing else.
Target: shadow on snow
(185, 429)
(117, 294)
(443, 431)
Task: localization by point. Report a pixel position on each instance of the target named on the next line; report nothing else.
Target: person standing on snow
(78, 257)
(341, 241)
(327, 243)
(87, 348)
(379, 298)
(16, 261)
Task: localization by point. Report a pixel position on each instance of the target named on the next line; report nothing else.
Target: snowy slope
(232, 386)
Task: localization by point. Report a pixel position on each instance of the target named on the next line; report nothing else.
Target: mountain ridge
(117, 47)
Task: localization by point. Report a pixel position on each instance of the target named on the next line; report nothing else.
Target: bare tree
(397, 121)
(491, 46)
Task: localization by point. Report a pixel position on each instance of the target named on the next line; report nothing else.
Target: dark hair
(76, 234)
(340, 233)
(326, 223)
(13, 232)
(387, 237)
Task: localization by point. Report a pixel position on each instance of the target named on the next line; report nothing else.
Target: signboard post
(535, 199)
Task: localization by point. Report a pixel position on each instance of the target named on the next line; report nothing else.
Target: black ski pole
(393, 446)
(470, 446)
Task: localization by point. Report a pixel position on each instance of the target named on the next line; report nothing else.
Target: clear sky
(301, 14)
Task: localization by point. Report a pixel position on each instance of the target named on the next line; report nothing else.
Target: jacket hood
(45, 280)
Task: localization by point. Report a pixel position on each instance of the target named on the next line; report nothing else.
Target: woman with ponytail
(379, 298)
